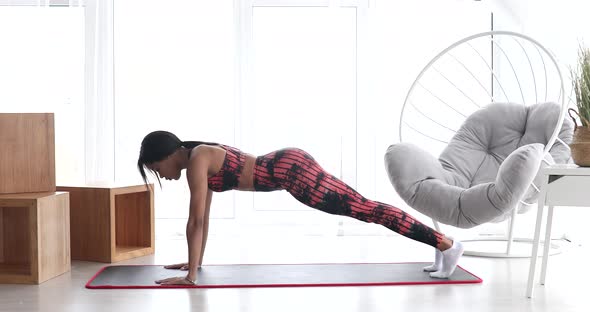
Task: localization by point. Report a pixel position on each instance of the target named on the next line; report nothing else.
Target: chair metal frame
(543, 52)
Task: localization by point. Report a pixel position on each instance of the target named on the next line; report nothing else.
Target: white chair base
(497, 247)
(506, 246)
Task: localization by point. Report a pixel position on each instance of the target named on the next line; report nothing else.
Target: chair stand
(515, 247)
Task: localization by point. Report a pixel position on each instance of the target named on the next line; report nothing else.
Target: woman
(212, 167)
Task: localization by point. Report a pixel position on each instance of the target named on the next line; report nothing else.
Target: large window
(325, 76)
(285, 79)
(302, 73)
(174, 70)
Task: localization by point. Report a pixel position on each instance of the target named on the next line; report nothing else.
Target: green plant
(581, 84)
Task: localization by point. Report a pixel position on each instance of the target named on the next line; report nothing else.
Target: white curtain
(63, 50)
(42, 70)
(99, 116)
(41, 3)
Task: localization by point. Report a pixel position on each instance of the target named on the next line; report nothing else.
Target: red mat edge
(156, 286)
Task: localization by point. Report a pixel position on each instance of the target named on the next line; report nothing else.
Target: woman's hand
(179, 266)
(179, 280)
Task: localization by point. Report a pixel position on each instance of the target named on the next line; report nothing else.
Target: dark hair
(157, 146)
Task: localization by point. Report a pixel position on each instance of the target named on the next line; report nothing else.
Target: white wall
(561, 26)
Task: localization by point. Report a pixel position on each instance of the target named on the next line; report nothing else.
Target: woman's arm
(184, 266)
(197, 182)
(206, 225)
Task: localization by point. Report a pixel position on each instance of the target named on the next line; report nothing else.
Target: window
(174, 70)
(300, 91)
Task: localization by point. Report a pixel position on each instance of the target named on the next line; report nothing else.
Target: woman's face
(167, 168)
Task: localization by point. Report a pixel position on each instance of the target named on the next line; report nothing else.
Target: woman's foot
(450, 258)
(437, 265)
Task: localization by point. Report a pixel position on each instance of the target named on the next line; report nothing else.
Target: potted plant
(580, 145)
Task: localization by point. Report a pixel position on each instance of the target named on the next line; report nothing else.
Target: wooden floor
(503, 288)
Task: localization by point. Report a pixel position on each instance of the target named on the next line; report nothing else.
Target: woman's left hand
(179, 280)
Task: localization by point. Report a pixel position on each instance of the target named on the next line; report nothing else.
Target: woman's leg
(297, 172)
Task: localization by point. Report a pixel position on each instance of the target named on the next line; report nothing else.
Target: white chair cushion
(485, 170)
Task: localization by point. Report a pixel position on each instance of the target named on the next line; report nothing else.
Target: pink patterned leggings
(295, 171)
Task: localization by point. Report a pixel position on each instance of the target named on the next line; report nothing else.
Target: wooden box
(34, 237)
(110, 223)
(27, 153)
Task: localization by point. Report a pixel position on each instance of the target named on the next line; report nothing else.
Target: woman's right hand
(178, 266)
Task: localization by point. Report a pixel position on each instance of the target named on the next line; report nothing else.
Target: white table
(563, 185)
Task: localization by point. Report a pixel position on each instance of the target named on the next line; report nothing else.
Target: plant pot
(581, 135)
(580, 146)
(581, 153)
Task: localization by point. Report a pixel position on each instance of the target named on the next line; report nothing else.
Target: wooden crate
(111, 223)
(34, 237)
(27, 153)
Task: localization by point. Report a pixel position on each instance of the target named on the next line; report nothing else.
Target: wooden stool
(27, 151)
(109, 223)
(34, 237)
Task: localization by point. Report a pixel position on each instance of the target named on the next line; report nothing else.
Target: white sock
(437, 265)
(449, 262)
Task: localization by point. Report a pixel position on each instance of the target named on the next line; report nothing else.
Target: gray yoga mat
(278, 275)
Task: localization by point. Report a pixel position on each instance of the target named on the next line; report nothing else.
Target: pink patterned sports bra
(228, 176)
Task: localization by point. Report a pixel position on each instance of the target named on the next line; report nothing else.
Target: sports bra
(228, 176)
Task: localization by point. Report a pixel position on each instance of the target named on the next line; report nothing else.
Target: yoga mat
(277, 275)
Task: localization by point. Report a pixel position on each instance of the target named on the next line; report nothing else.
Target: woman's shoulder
(204, 149)
(207, 156)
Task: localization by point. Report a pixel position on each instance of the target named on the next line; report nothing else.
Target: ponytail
(191, 144)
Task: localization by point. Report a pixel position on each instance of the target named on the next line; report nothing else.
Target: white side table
(563, 185)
